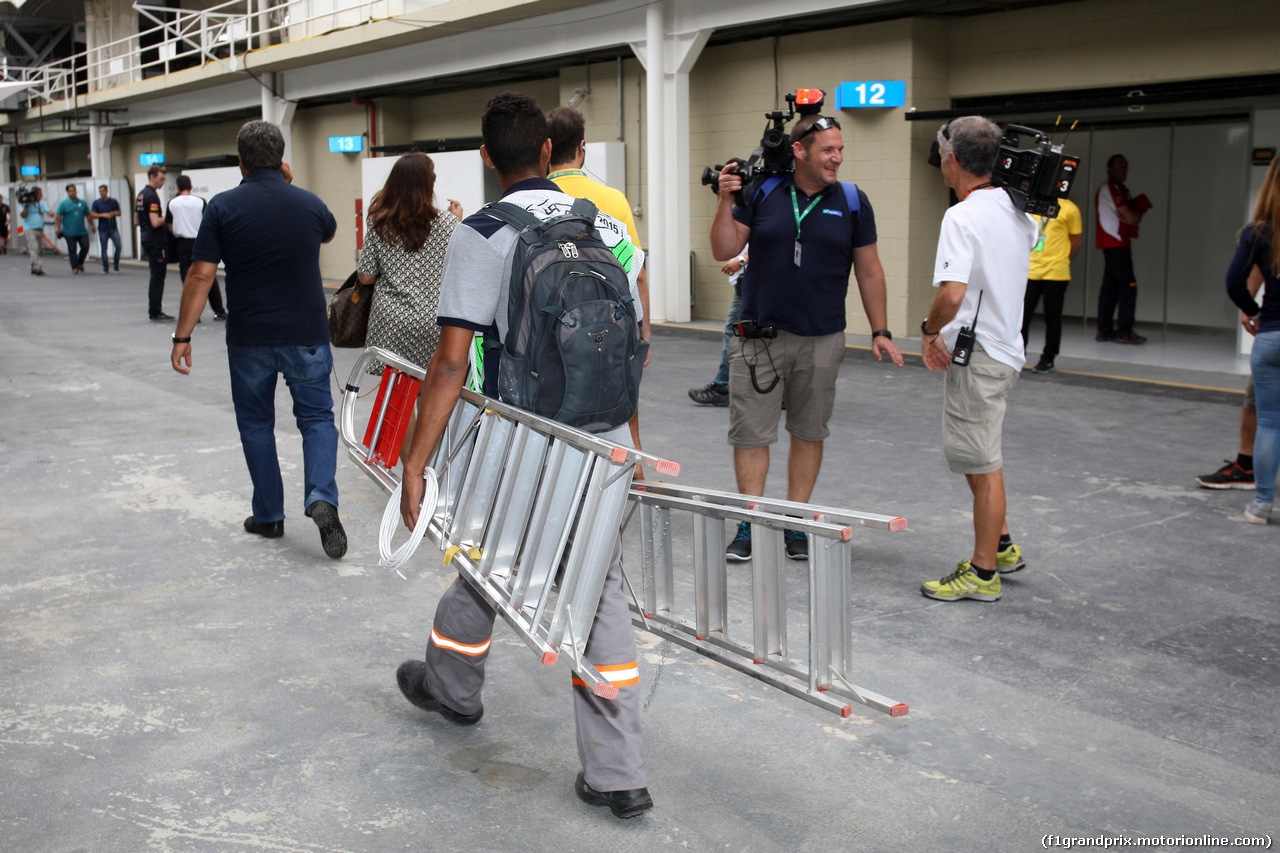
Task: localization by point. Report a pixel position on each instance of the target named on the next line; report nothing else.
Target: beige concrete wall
(333, 177)
(127, 148)
(211, 140)
(600, 110)
(456, 114)
(1112, 42)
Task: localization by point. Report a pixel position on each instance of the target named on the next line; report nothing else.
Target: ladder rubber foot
(846, 534)
(846, 712)
(550, 658)
(897, 524)
(666, 466)
(618, 455)
(606, 691)
(899, 710)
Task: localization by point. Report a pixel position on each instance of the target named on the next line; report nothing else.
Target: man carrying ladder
(473, 299)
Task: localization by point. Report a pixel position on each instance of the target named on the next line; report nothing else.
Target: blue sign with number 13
(346, 144)
(871, 93)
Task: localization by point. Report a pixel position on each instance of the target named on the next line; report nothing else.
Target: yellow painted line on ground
(1163, 382)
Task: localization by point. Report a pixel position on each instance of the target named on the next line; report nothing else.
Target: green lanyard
(795, 205)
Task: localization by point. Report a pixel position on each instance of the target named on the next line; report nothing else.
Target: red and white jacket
(1109, 231)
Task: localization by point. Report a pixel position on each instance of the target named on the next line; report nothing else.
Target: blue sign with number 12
(871, 93)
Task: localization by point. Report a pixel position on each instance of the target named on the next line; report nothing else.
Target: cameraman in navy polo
(807, 230)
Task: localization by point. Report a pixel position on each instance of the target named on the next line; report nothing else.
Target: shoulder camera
(773, 155)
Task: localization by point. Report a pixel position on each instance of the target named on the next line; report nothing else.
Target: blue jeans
(112, 236)
(77, 249)
(253, 391)
(1265, 362)
(735, 307)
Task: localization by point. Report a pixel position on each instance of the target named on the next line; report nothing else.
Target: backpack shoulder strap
(585, 208)
(851, 196)
(767, 186)
(512, 214)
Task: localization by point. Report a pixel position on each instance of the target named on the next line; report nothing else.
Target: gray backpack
(573, 351)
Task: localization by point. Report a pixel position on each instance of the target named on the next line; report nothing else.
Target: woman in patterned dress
(404, 245)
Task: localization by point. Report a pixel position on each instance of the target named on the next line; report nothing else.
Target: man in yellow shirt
(1050, 274)
(567, 129)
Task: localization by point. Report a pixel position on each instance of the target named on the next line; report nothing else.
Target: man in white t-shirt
(183, 218)
(473, 298)
(980, 273)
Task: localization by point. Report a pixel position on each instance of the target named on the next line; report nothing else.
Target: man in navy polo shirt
(268, 233)
(806, 231)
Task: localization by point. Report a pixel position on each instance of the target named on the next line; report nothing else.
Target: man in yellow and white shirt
(1050, 274)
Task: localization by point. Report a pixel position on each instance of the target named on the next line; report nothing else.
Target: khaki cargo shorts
(807, 367)
(973, 407)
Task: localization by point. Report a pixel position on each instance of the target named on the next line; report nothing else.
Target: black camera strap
(751, 364)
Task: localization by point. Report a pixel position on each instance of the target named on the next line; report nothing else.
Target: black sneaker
(1129, 338)
(1044, 365)
(740, 548)
(1229, 476)
(712, 395)
(623, 804)
(219, 317)
(411, 677)
(797, 545)
(1105, 336)
(332, 536)
(161, 316)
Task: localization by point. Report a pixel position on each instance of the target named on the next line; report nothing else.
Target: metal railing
(182, 39)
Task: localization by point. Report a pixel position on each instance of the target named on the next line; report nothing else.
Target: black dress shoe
(161, 316)
(411, 676)
(332, 537)
(269, 529)
(623, 804)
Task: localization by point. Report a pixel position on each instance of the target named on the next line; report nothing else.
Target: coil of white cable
(391, 521)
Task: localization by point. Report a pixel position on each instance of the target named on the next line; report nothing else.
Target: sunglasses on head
(823, 123)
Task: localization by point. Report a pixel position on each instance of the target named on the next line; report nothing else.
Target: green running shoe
(1010, 560)
(963, 583)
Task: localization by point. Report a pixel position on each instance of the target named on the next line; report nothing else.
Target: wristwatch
(178, 340)
(882, 333)
(924, 328)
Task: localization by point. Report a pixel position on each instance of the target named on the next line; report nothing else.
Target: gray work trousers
(609, 738)
(35, 246)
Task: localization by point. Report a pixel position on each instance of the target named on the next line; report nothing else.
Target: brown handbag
(349, 313)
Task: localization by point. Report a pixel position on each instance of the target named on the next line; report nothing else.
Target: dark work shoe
(412, 678)
(711, 395)
(161, 316)
(1044, 365)
(740, 548)
(797, 545)
(269, 529)
(219, 316)
(1129, 338)
(623, 804)
(332, 536)
(1105, 336)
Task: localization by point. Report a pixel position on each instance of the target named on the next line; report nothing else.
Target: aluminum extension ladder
(514, 491)
(821, 673)
(511, 487)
